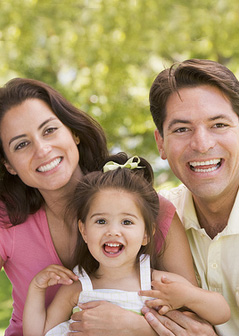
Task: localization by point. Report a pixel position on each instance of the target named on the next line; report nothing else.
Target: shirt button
(214, 265)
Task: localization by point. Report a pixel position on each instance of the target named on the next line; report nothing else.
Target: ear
(145, 240)
(76, 139)
(9, 168)
(82, 230)
(160, 143)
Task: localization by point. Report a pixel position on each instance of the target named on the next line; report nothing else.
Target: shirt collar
(190, 219)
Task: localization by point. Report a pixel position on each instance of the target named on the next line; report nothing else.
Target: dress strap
(145, 272)
(84, 279)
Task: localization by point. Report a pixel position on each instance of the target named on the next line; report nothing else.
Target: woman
(46, 145)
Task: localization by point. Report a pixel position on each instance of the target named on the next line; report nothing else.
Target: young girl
(116, 210)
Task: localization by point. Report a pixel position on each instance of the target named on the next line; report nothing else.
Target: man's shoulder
(174, 193)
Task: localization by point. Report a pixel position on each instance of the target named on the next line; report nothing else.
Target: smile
(112, 248)
(49, 166)
(205, 166)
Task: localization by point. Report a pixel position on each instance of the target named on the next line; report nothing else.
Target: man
(195, 106)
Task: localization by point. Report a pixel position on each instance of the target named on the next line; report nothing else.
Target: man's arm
(176, 323)
(101, 318)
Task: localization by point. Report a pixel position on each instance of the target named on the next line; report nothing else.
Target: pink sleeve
(166, 214)
(6, 243)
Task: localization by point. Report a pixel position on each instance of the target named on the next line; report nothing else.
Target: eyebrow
(105, 214)
(23, 135)
(185, 121)
(177, 121)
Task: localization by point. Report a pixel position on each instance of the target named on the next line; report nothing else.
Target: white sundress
(127, 300)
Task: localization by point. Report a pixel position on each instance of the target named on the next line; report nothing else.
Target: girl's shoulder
(70, 292)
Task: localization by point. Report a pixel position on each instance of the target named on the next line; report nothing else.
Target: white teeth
(49, 166)
(204, 163)
(198, 170)
(112, 244)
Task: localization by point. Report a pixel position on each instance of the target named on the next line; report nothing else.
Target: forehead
(30, 108)
(112, 196)
(31, 112)
(197, 102)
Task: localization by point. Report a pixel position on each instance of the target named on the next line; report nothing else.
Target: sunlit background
(103, 55)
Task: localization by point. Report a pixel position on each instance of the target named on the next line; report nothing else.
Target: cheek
(175, 150)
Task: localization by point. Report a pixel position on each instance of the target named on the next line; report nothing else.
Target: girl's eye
(50, 130)
(127, 222)
(21, 145)
(101, 221)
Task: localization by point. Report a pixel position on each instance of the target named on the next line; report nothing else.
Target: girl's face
(114, 229)
(39, 148)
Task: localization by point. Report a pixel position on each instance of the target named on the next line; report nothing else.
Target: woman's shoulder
(39, 217)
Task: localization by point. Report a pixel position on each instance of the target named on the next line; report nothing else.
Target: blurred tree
(104, 54)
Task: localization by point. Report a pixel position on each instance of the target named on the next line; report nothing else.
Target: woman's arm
(36, 320)
(176, 256)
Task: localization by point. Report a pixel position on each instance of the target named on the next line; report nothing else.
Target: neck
(56, 201)
(213, 215)
(125, 277)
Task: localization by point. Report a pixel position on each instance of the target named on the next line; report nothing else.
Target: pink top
(28, 248)
(166, 214)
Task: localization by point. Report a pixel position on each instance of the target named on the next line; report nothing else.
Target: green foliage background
(104, 54)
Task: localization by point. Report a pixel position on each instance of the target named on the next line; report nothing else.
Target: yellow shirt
(216, 260)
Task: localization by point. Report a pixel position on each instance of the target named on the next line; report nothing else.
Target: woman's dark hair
(188, 74)
(138, 181)
(17, 198)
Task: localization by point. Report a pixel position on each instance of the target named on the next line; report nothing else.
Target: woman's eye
(127, 222)
(101, 221)
(21, 145)
(50, 130)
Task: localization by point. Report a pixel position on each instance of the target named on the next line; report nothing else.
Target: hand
(101, 318)
(53, 275)
(178, 323)
(169, 294)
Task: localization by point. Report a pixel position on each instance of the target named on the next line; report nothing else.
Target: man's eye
(101, 221)
(127, 222)
(181, 130)
(220, 125)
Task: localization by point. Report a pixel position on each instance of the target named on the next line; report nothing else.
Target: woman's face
(39, 148)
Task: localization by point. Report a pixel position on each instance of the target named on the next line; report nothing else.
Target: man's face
(201, 141)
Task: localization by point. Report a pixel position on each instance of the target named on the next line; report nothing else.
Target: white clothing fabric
(216, 260)
(127, 300)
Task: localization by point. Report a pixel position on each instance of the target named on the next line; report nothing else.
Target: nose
(42, 148)
(113, 231)
(202, 140)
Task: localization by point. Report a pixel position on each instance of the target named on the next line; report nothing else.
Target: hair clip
(111, 165)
